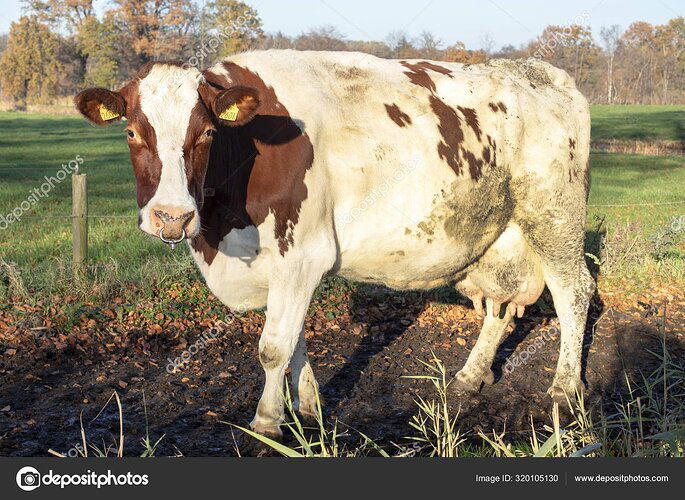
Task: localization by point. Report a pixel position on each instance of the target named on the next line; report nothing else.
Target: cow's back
(414, 160)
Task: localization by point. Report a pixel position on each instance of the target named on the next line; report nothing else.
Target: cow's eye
(131, 134)
(210, 133)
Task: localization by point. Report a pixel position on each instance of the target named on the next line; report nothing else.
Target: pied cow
(282, 167)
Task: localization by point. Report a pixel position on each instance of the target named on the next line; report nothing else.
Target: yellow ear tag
(230, 113)
(107, 114)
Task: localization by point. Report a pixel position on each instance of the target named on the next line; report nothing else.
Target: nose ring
(172, 243)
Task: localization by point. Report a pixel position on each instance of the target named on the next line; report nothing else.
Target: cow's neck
(254, 170)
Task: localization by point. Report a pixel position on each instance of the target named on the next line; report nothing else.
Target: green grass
(36, 145)
(33, 146)
(618, 179)
(645, 123)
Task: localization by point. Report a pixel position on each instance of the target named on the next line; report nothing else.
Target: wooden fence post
(79, 200)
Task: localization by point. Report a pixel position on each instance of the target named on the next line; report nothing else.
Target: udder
(510, 272)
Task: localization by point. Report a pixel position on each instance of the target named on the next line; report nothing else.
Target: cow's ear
(233, 107)
(101, 106)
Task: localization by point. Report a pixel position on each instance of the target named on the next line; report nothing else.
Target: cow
(281, 167)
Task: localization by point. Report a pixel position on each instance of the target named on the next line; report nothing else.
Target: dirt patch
(361, 343)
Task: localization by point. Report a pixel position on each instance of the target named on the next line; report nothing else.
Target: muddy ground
(361, 342)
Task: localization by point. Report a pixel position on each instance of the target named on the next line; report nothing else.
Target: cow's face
(172, 115)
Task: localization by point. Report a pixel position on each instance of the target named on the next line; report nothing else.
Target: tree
(67, 14)
(459, 53)
(155, 29)
(322, 38)
(429, 45)
(487, 44)
(401, 46)
(571, 48)
(276, 41)
(29, 67)
(237, 25)
(98, 41)
(378, 49)
(610, 37)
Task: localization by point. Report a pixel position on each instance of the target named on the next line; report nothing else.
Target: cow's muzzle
(173, 230)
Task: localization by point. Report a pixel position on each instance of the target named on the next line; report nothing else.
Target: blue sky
(505, 21)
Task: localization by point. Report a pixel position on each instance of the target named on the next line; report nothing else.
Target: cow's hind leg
(478, 367)
(557, 233)
(572, 288)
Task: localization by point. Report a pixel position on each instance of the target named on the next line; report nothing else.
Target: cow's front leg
(305, 386)
(287, 304)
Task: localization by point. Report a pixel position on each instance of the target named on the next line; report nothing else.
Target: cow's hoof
(467, 383)
(565, 394)
(308, 419)
(250, 446)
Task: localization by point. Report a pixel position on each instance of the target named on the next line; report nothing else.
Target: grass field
(641, 122)
(34, 146)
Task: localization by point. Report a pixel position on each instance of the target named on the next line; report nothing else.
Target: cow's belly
(424, 244)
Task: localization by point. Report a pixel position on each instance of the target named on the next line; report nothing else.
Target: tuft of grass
(317, 442)
(115, 448)
(437, 431)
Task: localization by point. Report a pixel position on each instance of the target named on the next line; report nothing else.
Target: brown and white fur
(412, 174)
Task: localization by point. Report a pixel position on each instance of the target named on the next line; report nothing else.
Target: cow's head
(172, 115)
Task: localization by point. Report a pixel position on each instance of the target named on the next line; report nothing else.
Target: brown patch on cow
(450, 148)
(397, 115)
(471, 118)
(435, 67)
(418, 76)
(571, 147)
(498, 106)
(196, 149)
(418, 73)
(475, 164)
(450, 129)
(254, 170)
(147, 167)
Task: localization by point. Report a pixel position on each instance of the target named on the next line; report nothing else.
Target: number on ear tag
(230, 113)
(107, 114)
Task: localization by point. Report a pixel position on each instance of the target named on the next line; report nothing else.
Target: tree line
(59, 47)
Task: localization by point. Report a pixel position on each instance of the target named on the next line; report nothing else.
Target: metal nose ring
(172, 243)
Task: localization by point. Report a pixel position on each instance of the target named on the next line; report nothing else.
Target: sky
(505, 21)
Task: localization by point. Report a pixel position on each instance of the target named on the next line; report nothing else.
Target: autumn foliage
(61, 46)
